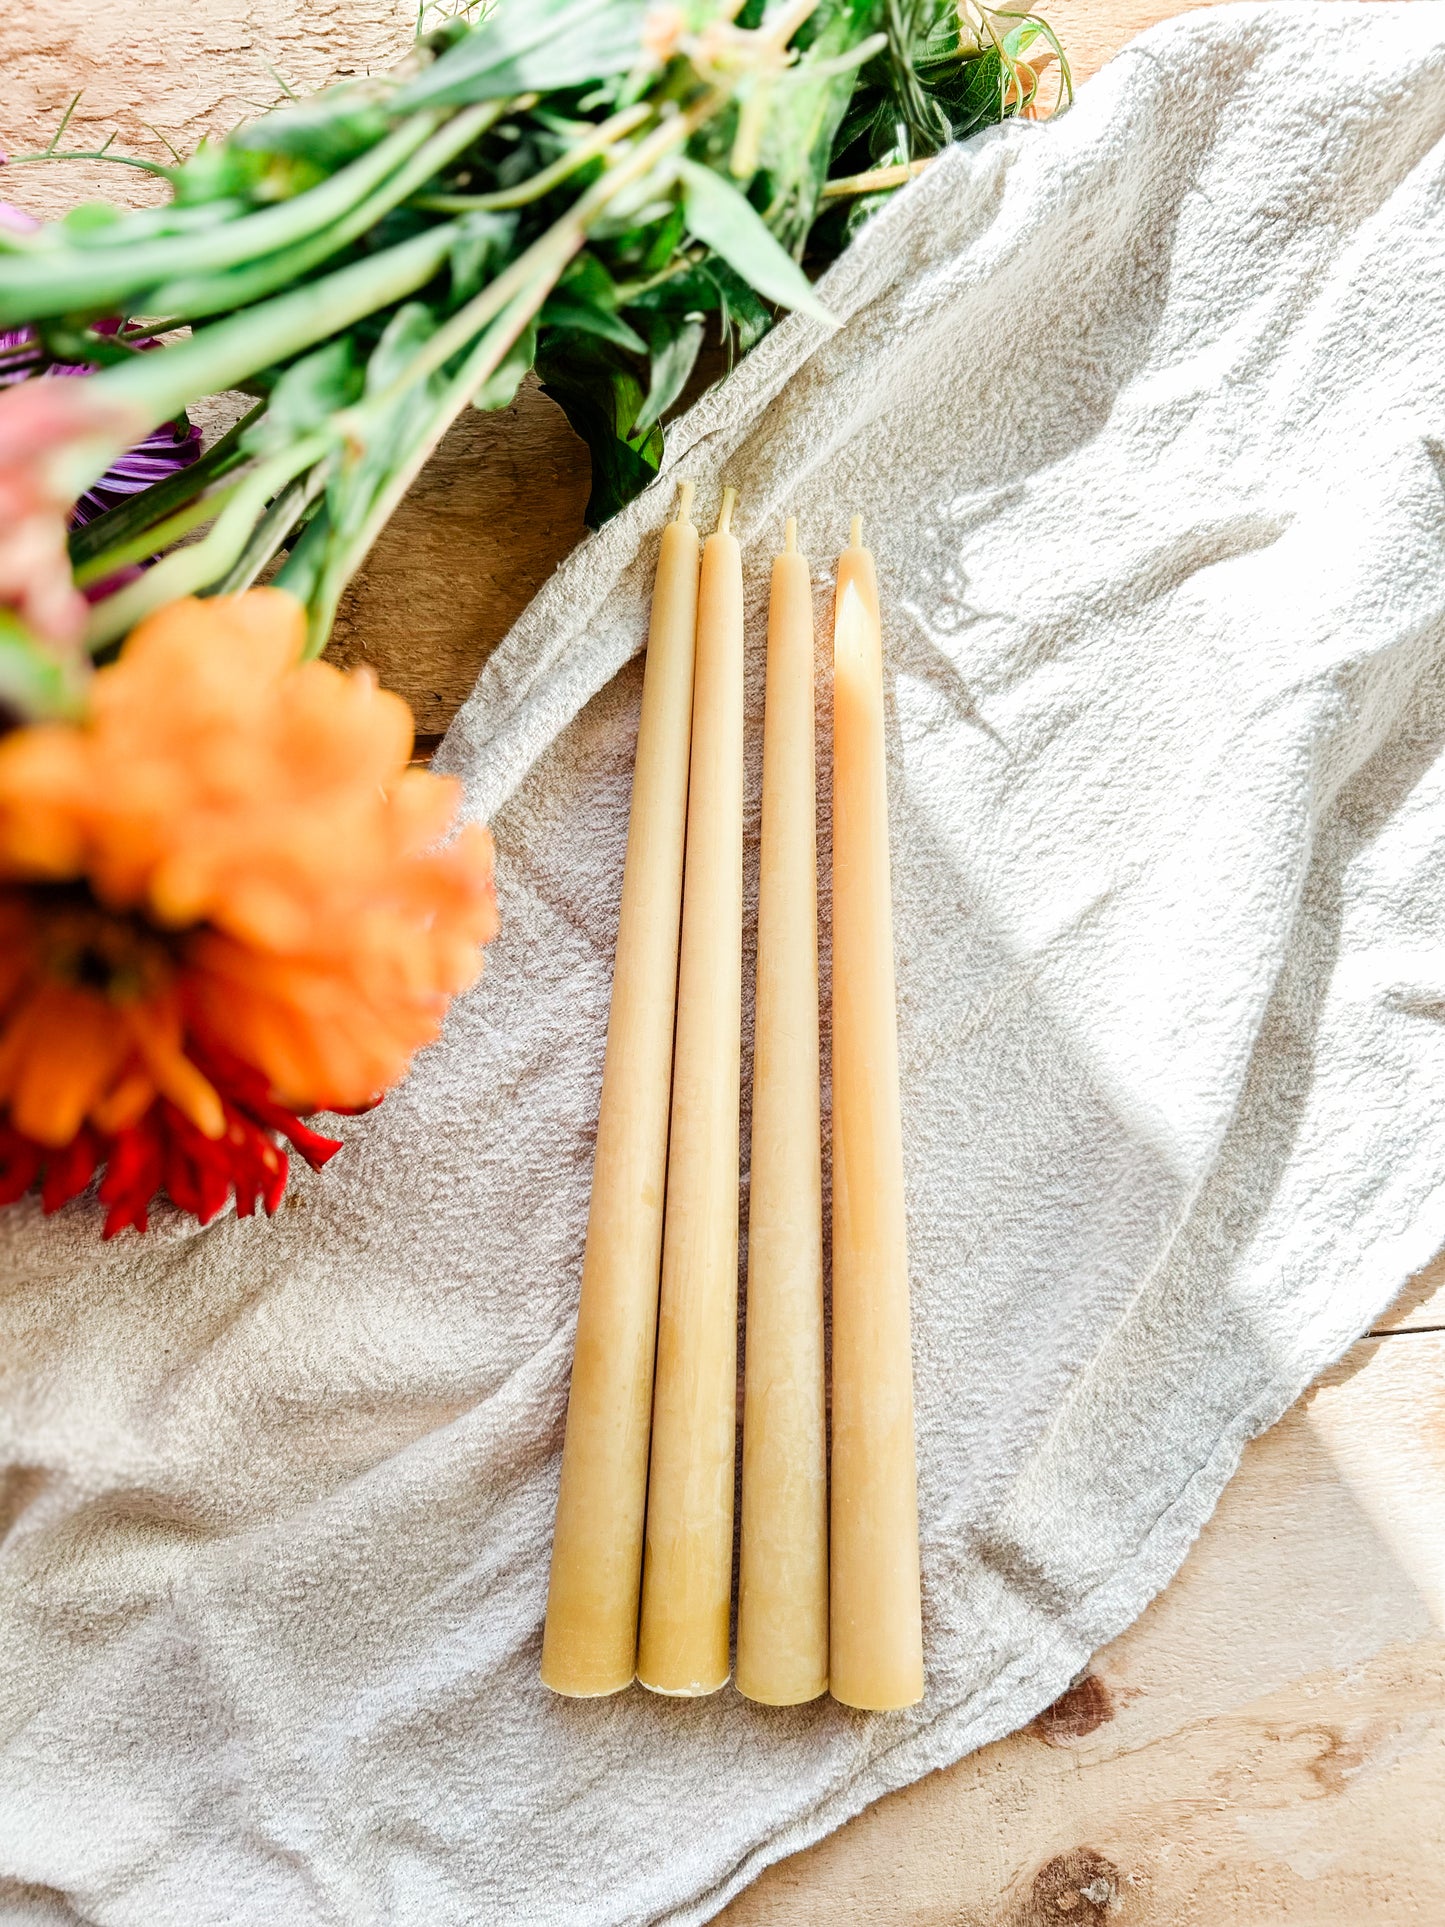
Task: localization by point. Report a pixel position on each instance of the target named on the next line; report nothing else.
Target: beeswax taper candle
(590, 1642)
(687, 1571)
(783, 1579)
(876, 1642)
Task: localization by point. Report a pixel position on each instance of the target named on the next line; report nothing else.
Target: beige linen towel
(1145, 411)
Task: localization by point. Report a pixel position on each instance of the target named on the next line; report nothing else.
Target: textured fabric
(1145, 411)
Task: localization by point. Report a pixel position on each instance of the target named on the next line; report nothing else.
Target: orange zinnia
(224, 900)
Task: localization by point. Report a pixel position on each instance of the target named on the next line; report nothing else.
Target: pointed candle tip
(790, 535)
(685, 492)
(725, 513)
(855, 532)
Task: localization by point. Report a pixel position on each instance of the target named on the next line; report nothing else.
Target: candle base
(865, 1702)
(802, 1697)
(684, 1692)
(570, 1691)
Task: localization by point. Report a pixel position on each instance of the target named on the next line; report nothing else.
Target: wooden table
(1267, 1744)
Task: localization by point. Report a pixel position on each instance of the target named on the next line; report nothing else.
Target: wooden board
(1267, 1744)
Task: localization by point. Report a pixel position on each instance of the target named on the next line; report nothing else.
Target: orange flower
(223, 896)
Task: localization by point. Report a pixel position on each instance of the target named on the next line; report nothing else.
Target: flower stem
(216, 293)
(98, 278)
(875, 181)
(197, 567)
(484, 359)
(547, 256)
(272, 530)
(157, 386)
(204, 509)
(141, 512)
(547, 178)
(516, 296)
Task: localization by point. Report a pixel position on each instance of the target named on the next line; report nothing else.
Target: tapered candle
(590, 1642)
(783, 1575)
(687, 1571)
(876, 1646)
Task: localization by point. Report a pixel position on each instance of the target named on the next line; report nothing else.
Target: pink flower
(41, 421)
(35, 515)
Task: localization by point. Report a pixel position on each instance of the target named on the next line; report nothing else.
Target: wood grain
(487, 521)
(1266, 1744)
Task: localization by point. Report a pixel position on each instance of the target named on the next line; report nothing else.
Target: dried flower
(224, 902)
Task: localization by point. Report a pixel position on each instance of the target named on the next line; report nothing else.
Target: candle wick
(855, 533)
(684, 502)
(790, 535)
(725, 513)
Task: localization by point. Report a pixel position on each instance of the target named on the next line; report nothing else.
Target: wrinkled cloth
(1145, 413)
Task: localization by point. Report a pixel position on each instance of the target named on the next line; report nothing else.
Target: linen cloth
(1145, 411)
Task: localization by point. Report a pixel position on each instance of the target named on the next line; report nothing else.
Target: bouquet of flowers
(226, 900)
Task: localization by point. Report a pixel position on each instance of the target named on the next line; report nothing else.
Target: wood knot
(1072, 1890)
(1085, 1706)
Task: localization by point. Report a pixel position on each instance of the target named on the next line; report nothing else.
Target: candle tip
(790, 535)
(725, 513)
(685, 492)
(855, 532)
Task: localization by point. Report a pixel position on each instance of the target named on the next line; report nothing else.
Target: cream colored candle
(687, 1573)
(590, 1642)
(876, 1648)
(783, 1582)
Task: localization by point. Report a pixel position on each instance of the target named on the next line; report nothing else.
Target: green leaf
(619, 472)
(88, 218)
(484, 239)
(804, 112)
(309, 391)
(409, 329)
(586, 279)
(720, 216)
(532, 46)
(663, 243)
(601, 398)
(501, 386)
(326, 131)
(740, 307)
(672, 362)
(579, 317)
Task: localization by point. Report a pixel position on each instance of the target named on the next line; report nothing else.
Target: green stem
(485, 358)
(519, 293)
(189, 570)
(303, 567)
(96, 154)
(197, 295)
(142, 511)
(96, 279)
(204, 509)
(272, 530)
(547, 178)
(548, 255)
(156, 386)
